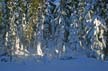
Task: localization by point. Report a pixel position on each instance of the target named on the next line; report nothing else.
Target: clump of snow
(39, 50)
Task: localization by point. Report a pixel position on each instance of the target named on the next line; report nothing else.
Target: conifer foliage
(51, 29)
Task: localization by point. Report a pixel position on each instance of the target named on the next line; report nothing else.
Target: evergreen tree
(44, 28)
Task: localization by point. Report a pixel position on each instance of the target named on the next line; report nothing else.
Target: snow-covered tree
(44, 28)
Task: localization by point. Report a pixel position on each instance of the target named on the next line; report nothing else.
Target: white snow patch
(39, 50)
(81, 64)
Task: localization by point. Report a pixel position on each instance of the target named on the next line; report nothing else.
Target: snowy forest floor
(79, 64)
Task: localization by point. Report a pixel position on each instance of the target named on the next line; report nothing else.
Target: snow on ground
(80, 64)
